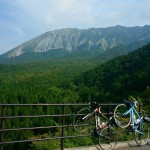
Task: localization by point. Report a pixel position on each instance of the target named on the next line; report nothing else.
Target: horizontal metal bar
(35, 116)
(61, 104)
(34, 128)
(41, 116)
(43, 139)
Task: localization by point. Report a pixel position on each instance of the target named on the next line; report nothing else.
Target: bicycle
(83, 120)
(125, 115)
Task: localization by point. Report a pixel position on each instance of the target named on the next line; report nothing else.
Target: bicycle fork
(97, 119)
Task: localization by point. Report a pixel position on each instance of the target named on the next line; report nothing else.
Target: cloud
(50, 12)
(25, 19)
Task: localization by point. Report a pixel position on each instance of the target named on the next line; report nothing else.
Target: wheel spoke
(108, 138)
(141, 134)
(82, 120)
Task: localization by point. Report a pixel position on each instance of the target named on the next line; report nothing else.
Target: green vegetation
(118, 78)
(70, 81)
(30, 83)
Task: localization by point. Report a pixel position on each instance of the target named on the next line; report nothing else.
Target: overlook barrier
(63, 107)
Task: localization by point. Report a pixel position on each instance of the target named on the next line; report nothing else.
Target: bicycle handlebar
(133, 101)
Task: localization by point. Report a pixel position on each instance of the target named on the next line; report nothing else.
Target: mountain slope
(121, 76)
(75, 42)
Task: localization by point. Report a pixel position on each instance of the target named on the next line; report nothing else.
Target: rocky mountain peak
(79, 40)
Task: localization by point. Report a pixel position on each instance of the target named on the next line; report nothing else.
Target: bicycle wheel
(148, 132)
(108, 138)
(121, 120)
(82, 120)
(141, 134)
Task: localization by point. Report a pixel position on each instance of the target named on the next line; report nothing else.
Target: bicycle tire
(108, 138)
(80, 124)
(148, 124)
(141, 139)
(121, 120)
(149, 134)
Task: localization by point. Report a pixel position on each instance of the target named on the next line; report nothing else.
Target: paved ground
(120, 146)
(147, 147)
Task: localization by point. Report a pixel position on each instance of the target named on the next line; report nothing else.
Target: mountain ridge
(74, 40)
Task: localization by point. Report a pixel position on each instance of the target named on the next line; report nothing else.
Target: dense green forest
(40, 82)
(118, 77)
(70, 81)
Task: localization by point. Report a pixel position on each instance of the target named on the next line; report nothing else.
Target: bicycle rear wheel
(141, 135)
(108, 138)
(121, 120)
(148, 124)
(82, 120)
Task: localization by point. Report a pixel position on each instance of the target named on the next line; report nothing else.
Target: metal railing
(63, 125)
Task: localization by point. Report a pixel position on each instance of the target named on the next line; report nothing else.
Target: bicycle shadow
(132, 144)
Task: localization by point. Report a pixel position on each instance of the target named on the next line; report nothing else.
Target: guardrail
(63, 115)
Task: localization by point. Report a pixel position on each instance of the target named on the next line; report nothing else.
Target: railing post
(2, 127)
(63, 123)
(108, 122)
(139, 108)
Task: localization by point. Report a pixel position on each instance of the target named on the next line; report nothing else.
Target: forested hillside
(74, 80)
(71, 81)
(40, 82)
(118, 78)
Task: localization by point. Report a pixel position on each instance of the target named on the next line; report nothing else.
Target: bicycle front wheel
(82, 120)
(121, 120)
(108, 138)
(141, 134)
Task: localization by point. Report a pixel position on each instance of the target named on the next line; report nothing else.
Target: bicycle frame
(132, 112)
(97, 112)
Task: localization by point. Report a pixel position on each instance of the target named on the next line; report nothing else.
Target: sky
(22, 20)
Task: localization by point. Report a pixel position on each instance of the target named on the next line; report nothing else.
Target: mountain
(72, 42)
(118, 78)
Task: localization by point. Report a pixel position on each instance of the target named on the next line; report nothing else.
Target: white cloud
(25, 19)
